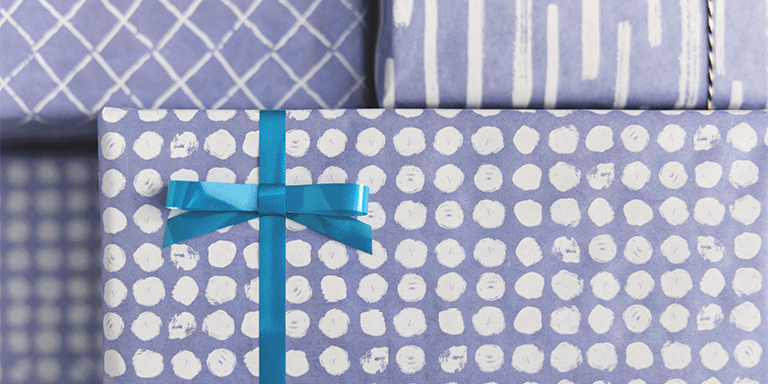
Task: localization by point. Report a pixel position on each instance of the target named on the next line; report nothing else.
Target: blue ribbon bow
(325, 208)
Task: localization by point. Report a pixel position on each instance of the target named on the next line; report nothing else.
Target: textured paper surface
(576, 246)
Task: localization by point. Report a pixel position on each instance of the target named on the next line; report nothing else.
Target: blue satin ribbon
(325, 208)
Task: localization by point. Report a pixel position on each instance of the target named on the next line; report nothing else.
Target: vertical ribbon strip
(325, 208)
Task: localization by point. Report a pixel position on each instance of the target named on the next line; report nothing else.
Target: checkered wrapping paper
(549, 246)
(66, 60)
(50, 272)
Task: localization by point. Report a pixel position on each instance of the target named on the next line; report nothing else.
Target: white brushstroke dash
(475, 23)
(431, 82)
(654, 23)
(553, 57)
(690, 54)
(623, 48)
(522, 65)
(590, 39)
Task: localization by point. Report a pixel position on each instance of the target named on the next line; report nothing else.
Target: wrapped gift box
(63, 62)
(549, 246)
(50, 241)
(535, 54)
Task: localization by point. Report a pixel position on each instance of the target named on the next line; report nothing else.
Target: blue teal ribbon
(326, 208)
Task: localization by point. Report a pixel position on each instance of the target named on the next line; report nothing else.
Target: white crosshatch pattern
(12, 15)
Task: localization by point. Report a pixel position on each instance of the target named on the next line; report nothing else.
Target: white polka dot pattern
(51, 321)
(507, 244)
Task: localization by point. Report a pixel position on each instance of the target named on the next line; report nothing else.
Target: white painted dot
(490, 286)
(112, 145)
(712, 282)
(410, 322)
(409, 141)
(671, 138)
(490, 252)
(675, 249)
(221, 362)
(334, 324)
(186, 365)
(372, 288)
(565, 212)
(373, 260)
(250, 144)
(296, 324)
(113, 220)
(709, 317)
(489, 358)
(635, 175)
(221, 253)
(48, 172)
(489, 214)
(710, 248)
(637, 318)
(600, 319)
(639, 356)
(747, 245)
(742, 137)
(564, 140)
(411, 215)
(599, 139)
(185, 291)
(747, 281)
(708, 174)
(372, 322)
(743, 173)
(332, 174)
(148, 145)
(114, 365)
(528, 213)
(674, 318)
(376, 216)
(221, 175)
(451, 321)
(181, 326)
(147, 183)
(564, 176)
(566, 249)
(530, 286)
(745, 316)
(411, 288)
(113, 115)
(152, 115)
(297, 288)
(184, 257)
(706, 138)
(600, 212)
(528, 358)
(601, 176)
(674, 211)
(528, 321)
(219, 325)
(114, 292)
(602, 356)
(450, 286)
(488, 178)
(567, 285)
(148, 257)
(487, 140)
(297, 252)
(526, 139)
(296, 143)
(372, 176)
(447, 141)
(748, 353)
(183, 145)
(528, 177)
(635, 138)
(565, 357)
(448, 178)
(676, 283)
(565, 320)
(148, 292)
(488, 321)
(370, 141)
(528, 251)
(713, 356)
(637, 212)
(745, 210)
(411, 253)
(605, 286)
(410, 179)
(113, 326)
(335, 360)
(450, 253)
(333, 254)
(113, 258)
(672, 175)
(375, 360)
(147, 363)
(148, 218)
(220, 289)
(251, 360)
(220, 144)
(602, 248)
(639, 285)
(410, 359)
(146, 326)
(454, 359)
(296, 363)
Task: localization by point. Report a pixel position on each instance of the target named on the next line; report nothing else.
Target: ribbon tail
(346, 230)
(191, 224)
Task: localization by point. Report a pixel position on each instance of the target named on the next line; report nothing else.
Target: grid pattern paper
(569, 246)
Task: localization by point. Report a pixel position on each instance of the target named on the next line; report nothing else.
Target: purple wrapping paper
(553, 247)
(535, 54)
(63, 61)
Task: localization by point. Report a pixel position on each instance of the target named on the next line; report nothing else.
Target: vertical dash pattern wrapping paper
(534, 54)
(553, 247)
(50, 273)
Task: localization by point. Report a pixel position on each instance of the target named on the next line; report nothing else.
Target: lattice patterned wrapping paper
(50, 272)
(64, 61)
(549, 246)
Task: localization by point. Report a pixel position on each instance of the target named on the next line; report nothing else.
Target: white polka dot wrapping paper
(552, 247)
